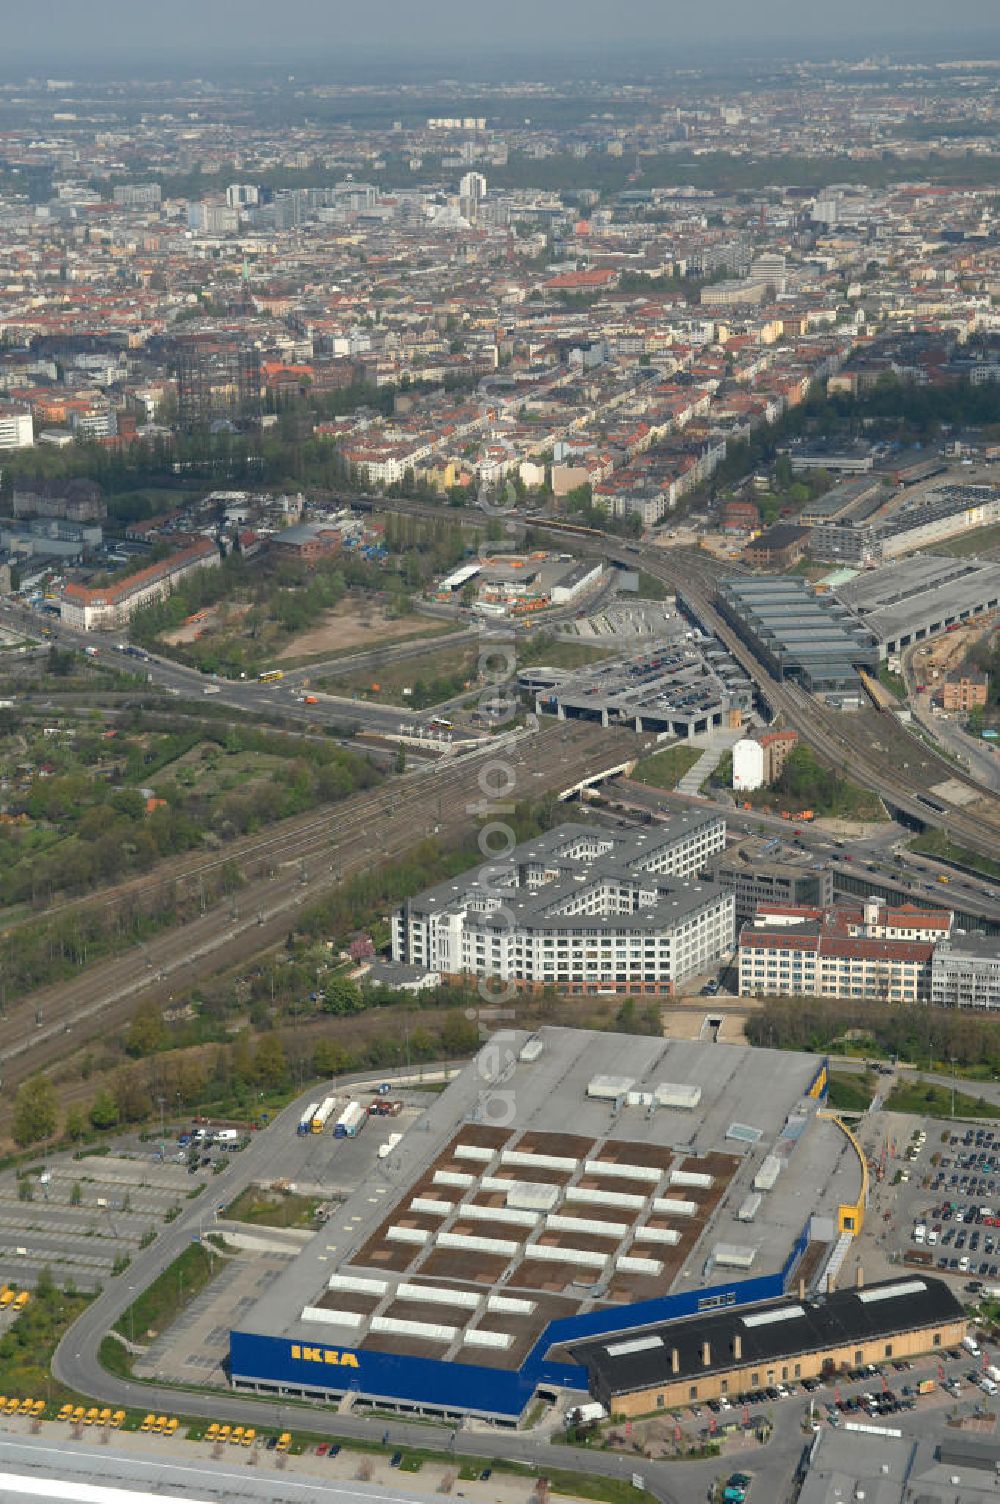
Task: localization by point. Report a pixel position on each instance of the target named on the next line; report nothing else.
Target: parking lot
(194, 1348)
(81, 1217)
(959, 1231)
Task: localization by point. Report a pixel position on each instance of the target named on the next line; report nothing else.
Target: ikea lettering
(325, 1355)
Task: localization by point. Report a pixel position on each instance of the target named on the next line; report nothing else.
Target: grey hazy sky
(127, 29)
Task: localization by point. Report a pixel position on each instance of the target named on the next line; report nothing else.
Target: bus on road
(271, 676)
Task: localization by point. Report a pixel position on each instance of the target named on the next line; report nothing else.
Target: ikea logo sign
(324, 1355)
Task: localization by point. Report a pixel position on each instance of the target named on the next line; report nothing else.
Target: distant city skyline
(111, 32)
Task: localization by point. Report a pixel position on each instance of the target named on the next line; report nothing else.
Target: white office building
(16, 428)
(965, 972)
(582, 910)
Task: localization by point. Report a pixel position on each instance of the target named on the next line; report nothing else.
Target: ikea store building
(566, 1186)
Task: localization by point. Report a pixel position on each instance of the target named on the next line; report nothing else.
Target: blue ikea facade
(431, 1383)
(467, 1387)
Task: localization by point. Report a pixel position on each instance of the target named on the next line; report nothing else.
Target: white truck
(920, 1232)
(306, 1120)
(323, 1114)
(585, 1415)
(971, 1345)
(384, 1150)
(351, 1121)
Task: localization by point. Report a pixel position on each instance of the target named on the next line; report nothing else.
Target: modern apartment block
(965, 972)
(579, 909)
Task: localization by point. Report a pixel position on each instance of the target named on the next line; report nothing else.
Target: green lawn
(115, 1358)
(894, 683)
(663, 770)
(851, 1093)
(162, 1302)
(265, 1209)
(921, 1098)
(593, 1486)
(650, 588)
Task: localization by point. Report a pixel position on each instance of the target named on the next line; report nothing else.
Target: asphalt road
(247, 696)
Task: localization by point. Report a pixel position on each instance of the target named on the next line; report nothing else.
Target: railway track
(841, 740)
(300, 868)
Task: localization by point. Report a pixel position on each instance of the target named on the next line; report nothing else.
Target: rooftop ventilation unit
(616, 1171)
(693, 1178)
(609, 1088)
(734, 1255)
(766, 1177)
(529, 1196)
(677, 1094)
(332, 1318)
(520, 1157)
(358, 1284)
(749, 1207)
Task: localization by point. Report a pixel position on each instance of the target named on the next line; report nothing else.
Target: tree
(131, 1095)
(341, 996)
(146, 1033)
(459, 1035)
(269, 1062)
(75, 1125)
(401, 758)
(36, 1111)
(330, 1058)
(103, 1112)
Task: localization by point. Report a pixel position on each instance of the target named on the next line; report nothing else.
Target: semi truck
(306, 1120)
(351, 1121)
(323, 1114)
